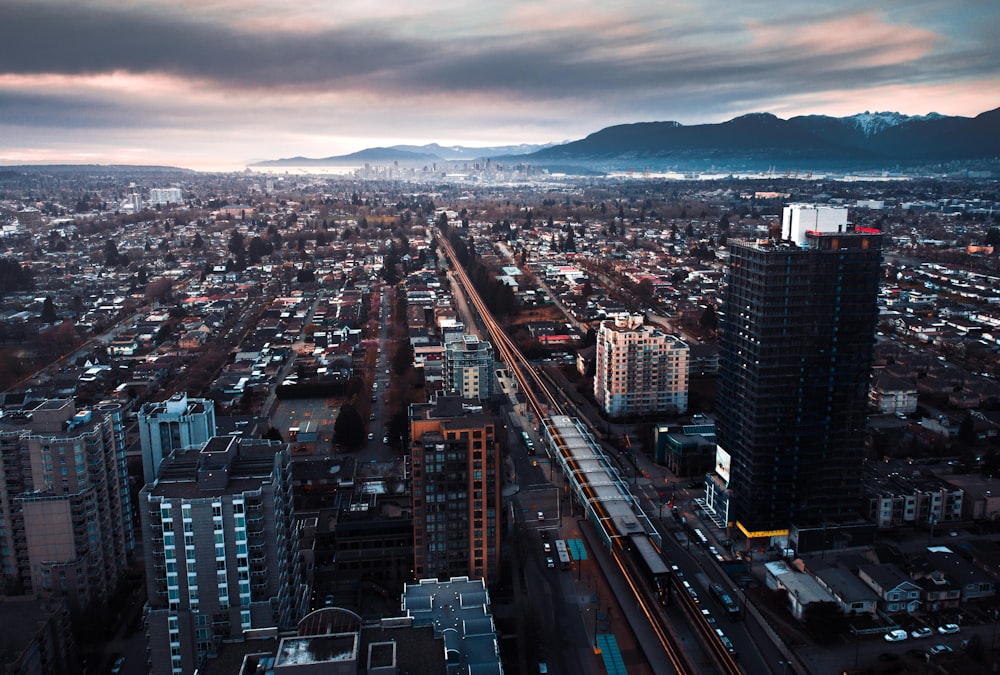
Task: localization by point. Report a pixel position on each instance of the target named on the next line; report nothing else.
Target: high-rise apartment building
(640, 369)
(65, 515)
(469, 366)
(456, 489)
(179, 422)
(798, 318)
(158, 196)
(221, 551)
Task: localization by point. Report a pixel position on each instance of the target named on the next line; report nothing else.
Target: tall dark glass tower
(797, 329)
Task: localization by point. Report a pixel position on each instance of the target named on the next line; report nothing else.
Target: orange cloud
(865, 38)
(966, 99)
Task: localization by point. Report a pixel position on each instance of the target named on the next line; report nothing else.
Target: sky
(213, 84)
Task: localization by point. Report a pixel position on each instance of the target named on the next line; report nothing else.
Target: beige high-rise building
(65, 525)
(640, 369)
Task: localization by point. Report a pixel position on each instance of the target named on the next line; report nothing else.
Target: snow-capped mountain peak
(871, 123)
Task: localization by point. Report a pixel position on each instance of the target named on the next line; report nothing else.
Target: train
(650, 565)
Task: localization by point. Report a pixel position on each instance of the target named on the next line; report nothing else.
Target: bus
(726, 600)
(563, 553)
(528, 442)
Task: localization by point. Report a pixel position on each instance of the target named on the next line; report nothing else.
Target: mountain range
(431, 152)
(880, 140)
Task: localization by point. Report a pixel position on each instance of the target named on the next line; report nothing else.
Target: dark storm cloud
(79, 40)
(550, 65)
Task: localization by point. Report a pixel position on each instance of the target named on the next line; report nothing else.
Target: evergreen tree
(48, 311)
(349, 429)
(709, 319)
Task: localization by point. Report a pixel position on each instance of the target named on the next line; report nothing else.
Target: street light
(996, 617)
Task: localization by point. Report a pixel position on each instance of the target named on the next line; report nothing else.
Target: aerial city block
(498, 419)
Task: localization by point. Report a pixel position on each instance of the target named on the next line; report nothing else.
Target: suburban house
(969, 582)
(896, 592)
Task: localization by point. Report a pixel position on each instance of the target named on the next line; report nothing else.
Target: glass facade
(797, 332)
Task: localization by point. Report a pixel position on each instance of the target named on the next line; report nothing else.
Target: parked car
(939, 649)
(550, 563)
(371, 436)
(923, 632)
(118, 665)
(949, 629)
(897, 635)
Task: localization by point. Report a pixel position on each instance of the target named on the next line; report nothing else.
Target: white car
(939, 649)
(897, 635)
(919, 633)
(949, 629)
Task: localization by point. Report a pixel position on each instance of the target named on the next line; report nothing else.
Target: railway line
(628, 534)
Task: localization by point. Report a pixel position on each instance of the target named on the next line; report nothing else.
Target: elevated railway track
(627, 533)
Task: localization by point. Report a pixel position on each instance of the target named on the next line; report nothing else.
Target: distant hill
(407, 154)
(761, 140)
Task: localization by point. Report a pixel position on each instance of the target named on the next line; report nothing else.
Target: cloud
(215, 73)
(577, 55)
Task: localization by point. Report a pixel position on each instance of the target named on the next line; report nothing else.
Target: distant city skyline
(216, 85)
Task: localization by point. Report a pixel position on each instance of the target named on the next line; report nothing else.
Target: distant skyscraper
(179, 422)
(221, 551)
(640, 369)
(65, 519)
(469, 366)
(133, 200)
(797, 328)
(456, 489)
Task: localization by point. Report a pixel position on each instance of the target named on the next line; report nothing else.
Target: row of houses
(936, 580)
